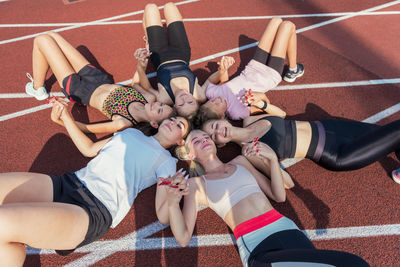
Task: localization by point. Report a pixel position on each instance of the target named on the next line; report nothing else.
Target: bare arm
(273, 188)
(182, 222)
(86, 146)
(220, 76)
(140, 76)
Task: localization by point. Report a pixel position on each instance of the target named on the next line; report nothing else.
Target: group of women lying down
(64, 212)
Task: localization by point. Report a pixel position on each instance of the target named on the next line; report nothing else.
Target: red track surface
(355, 49)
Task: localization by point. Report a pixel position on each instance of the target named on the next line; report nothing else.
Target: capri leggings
(351, 145)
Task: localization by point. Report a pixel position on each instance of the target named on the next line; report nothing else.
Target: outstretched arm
(86, 146)
(100, 127)
(220, 76)
(140, 77)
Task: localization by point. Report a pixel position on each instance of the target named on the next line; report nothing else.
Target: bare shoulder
(252, 119)
(241, 160)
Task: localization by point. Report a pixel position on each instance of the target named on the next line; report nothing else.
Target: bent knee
(42, 39)
(150, 7)
(276, 21)
(287, 26)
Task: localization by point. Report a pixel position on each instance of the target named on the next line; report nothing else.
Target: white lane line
(373, 119)
(87, 23)
(336, 84)
(238, 18)
(130, 243)
(25, 112)
(284, 87)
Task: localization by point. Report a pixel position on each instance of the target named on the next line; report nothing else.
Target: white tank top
(223, 194)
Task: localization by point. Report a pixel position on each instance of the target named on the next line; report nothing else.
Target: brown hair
(205, 114)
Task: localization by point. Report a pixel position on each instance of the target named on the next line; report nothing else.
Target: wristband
(264, 106)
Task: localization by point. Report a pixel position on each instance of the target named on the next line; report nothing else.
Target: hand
(59, 106)
(176, 186)
(225, 63)
(258, 149)
(254, 98)
(142, 54)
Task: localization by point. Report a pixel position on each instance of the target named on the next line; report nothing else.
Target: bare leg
(151, 16)
(171, 13)
(284, 34)
(76, 59)
(292, 50)
(268, 37)
(19, 187)
(39, 224)
(46, 53)
(28, 216)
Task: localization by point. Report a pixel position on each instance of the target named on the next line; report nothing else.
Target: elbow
(163, 220)
(183, 242)
(280, 199)
(283, 114)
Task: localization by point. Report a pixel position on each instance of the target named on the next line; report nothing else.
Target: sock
(294, 69)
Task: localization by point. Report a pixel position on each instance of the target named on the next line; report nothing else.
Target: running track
(350, 51)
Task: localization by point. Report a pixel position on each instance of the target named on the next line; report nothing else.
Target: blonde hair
(182, 152)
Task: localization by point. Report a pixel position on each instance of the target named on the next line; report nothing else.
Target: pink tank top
(223, 194)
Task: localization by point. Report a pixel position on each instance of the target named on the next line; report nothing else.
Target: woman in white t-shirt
(64, 212)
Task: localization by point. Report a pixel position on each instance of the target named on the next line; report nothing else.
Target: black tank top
(168, 71)
(281, 137)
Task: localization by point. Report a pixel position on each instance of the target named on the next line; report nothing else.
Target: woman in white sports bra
(238, 193)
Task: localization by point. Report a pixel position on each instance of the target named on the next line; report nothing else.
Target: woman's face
(201, 145)
(217, 105)
(185, 103)
(157, 111)
(174, 128)
(220, 131)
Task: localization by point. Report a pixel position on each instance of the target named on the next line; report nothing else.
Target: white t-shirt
(127, 164)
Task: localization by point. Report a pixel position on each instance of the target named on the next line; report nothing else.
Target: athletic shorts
(262, 56)
(174, 47)
(79, 87)
(68, 189)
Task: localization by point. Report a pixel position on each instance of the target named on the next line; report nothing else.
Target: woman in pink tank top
(242, 203)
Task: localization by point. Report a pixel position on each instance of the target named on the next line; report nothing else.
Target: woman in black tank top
(171, 58)
(336, 145)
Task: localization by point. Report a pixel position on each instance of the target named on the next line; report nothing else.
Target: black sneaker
(291, 76)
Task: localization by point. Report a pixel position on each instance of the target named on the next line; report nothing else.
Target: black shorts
(262, 56)
(68, 189)
(175, 47)
(79, 87)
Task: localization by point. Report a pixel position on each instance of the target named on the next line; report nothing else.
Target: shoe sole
(293, 79)
(397, 180)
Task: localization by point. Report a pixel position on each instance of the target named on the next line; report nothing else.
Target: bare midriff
(303, 136)
(100, 94)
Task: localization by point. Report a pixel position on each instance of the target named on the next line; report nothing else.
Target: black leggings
(351, 145)
(262, 56)
(294, 247)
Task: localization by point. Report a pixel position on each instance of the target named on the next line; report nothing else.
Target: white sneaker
(39, 94)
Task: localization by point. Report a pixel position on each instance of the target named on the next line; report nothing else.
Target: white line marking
(282, 87)
(87, 23)
(24, 112)
(199, 19)
(130, 243)
(285, 87)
